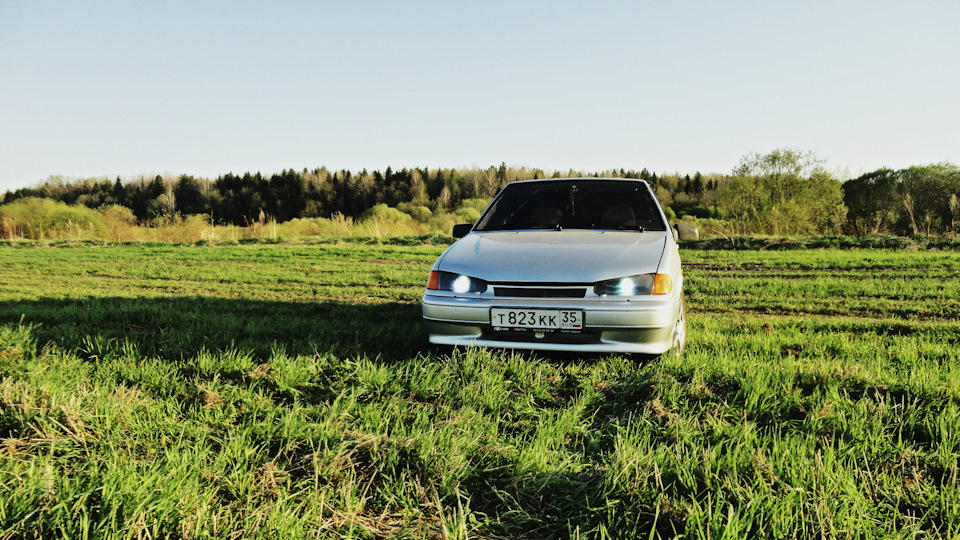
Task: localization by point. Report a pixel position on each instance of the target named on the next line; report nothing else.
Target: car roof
(579, 178)
(567, 180)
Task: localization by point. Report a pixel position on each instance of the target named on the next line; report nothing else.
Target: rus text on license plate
(570, 320)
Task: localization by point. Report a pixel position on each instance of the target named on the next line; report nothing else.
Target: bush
(469, 211)
(120, 223)
(336, 225)
(382, 220)
(467, 215)
(297, 227)
(36, 218)
(476, 204)
(420, 213)
(189, 229)
(443, 223)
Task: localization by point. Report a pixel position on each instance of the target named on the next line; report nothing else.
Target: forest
(784, 192)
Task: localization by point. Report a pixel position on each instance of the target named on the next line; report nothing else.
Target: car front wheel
(680, 330)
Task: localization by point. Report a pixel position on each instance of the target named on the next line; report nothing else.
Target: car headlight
(458, 283)
(635, 285)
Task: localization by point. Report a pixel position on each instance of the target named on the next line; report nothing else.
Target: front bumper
(640, 325)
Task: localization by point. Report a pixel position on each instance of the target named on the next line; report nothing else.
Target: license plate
(536, 319)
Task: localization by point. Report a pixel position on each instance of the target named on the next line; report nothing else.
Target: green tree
(698, 185)
(872, 201)
(915, 200)
(502, 174)
(288, 192)
(927, 191)
(189, 196)
(784, 192)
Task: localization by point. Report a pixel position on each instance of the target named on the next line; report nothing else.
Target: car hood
(554, 256)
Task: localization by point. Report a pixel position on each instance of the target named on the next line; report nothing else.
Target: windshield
(574, 204)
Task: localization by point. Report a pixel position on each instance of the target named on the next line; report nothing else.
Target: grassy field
(287, 391)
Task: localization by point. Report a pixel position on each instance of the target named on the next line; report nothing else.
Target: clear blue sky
(108, 88)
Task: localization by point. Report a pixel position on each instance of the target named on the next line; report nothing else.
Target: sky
(207, 87)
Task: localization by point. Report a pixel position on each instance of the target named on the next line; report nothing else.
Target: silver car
(573, 264)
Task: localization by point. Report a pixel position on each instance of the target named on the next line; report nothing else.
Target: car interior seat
(545, 215)
(618, 215)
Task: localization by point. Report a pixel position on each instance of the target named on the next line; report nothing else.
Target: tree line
(240, 200)
(783, 192)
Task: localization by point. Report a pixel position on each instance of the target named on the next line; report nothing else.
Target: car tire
(680, 330)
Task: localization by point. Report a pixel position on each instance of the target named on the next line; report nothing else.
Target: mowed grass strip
(284, 391)
(872, 284)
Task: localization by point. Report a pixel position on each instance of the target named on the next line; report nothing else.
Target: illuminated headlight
(458, 283)
(635, 285)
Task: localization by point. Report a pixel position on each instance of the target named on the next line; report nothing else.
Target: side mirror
(462, 229)
(686, 232)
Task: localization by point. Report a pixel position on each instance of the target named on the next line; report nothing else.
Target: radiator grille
(540, 292)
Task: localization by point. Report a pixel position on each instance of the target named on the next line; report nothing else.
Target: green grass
(287, 391)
